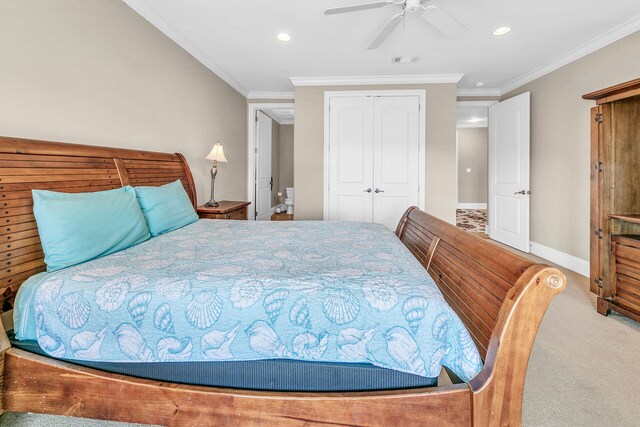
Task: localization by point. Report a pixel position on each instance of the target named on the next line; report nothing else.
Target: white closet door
(263, 168)
(396, 148)
(351, 159)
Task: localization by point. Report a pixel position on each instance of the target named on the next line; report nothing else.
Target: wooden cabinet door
(597, 226)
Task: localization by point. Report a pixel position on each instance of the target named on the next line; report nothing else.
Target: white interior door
(509, 157)
(264, 180)
(351, 159)
(396, 157)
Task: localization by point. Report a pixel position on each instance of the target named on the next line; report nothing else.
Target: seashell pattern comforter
(245, 290)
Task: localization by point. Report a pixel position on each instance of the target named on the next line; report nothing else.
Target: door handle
(523, 192)
(368, 190)
(379, 191)
(271, 183)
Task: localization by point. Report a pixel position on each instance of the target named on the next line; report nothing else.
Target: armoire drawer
(626, 259)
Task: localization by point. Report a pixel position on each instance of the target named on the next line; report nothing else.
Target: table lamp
(217, 155)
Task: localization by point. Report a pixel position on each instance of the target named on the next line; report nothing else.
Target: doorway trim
(462, 105)
(422, 96)
(252, 110)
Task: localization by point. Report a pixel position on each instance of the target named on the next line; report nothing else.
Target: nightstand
(225, 210)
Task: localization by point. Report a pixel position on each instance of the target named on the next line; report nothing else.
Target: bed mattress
(265, 375)
(243, 291)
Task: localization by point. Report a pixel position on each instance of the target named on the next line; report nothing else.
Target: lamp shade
(217, 154)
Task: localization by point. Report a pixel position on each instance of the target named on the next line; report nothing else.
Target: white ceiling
(236, 39)
(282, 115)
(473, 114)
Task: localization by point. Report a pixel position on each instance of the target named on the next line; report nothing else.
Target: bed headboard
(28, 164)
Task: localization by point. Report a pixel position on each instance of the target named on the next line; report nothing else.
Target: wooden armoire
(615, 198)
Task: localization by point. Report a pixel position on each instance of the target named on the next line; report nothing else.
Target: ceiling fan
(432, 14)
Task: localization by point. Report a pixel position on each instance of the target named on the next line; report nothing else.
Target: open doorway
(472, 139)
(270, 161)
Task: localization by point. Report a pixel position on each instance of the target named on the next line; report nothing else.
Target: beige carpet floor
(584, 369)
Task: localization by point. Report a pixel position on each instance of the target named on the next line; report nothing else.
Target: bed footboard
(500, 296)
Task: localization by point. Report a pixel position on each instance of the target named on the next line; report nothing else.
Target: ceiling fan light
(283, 37)
(501, 31)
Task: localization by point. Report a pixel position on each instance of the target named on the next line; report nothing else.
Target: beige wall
(286, 158)
(440, 186)
(472, 153)
(95, 72)
(560, 121)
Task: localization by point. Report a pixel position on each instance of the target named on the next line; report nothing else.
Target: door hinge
(598, 232)
(598, 118)
(599, 282)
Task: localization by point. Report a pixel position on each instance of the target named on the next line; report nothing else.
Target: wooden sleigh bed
(500, 296)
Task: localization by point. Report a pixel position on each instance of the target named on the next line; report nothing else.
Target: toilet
(289, 200)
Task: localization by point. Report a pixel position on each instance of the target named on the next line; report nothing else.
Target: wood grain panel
(106, 396)
(20, 210)
(39, 165)
(27, 165)
(473, 275)
(8, 253)
(31, 170)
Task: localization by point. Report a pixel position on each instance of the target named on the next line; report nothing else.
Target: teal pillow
(78, 227)
(166, 208)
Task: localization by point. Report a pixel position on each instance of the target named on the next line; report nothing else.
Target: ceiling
(282, 115)
(236, 39)
(472, 114)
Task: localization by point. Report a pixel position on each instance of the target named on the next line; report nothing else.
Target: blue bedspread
(244, 290)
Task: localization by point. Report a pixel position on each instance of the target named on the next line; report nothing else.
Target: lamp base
(212, 204)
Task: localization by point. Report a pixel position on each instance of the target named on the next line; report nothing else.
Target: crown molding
(478, 92)
(475, 104)
(591, 46)
(271, 95)
(163, 24)
(376, 80)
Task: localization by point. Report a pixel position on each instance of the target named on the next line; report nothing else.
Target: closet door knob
(368, 190)
(379, 191)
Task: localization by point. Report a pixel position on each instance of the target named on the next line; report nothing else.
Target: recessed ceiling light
(475, 120)
(405, 59)
(283, 37)
(501, 31)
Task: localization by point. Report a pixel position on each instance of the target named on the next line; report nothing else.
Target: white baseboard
(472, 206)
(565, 260)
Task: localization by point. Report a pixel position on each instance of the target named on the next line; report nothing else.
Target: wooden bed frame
(500, 296)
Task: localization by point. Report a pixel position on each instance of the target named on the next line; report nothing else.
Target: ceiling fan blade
(357, 7)
(443, 21)
(386, 31)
